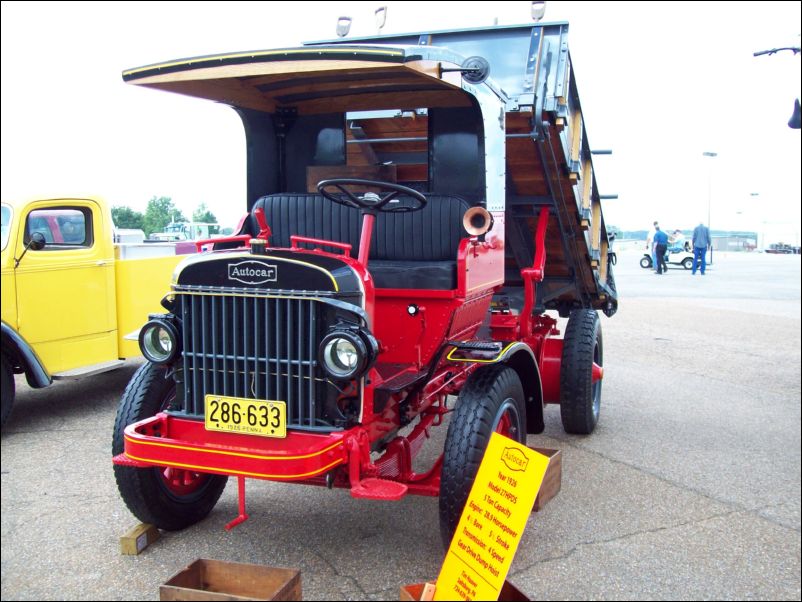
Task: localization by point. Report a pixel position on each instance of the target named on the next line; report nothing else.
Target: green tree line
(159, 212)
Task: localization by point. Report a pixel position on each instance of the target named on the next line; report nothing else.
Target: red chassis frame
(342, 459)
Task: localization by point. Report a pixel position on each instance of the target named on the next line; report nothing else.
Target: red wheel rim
(181, 482)
(504, 426)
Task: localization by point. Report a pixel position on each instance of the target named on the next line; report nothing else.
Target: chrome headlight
(344, 354)
(158, 341)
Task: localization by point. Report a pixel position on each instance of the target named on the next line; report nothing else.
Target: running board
(89, 370)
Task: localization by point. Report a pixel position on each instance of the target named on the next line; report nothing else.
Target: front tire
(580, 397)
(168, 498)
(491, 401)
(7, 388)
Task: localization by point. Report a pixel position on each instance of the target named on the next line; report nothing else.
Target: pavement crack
(774, 520)
(334, 570)
(732, 504)
(625, 536)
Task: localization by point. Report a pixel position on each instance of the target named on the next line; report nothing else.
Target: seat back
(431, 234)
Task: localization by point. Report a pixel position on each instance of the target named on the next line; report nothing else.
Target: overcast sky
(660, 83)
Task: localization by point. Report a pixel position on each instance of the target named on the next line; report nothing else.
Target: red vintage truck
(416, 205)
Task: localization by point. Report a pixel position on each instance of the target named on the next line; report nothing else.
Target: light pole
(754, 196)
(710, 198)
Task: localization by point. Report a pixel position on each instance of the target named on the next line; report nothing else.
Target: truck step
(379, 489)
(89, 370)
(401, 381)
(477, 345)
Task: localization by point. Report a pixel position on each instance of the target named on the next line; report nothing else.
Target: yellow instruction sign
(493, 521)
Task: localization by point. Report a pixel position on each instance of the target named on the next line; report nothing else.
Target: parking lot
(689, 488)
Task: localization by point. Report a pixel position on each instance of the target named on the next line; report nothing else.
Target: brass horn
(477, 221)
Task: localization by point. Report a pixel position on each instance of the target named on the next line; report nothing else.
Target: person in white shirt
(650, 245)
(676, 241)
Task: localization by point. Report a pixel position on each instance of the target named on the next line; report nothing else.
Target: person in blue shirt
(701, 243)
(660, 246)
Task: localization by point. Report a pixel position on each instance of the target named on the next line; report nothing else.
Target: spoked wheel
(169, 498)
(581, 372)
(491, 401)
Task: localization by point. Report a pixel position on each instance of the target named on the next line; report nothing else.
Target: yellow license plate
(246, 416)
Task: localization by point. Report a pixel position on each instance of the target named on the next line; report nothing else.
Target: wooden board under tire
(138, 538)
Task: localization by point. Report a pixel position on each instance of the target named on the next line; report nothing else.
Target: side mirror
(37, 243)
(795, 122)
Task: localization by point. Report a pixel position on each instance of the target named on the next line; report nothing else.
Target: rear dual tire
(580, 396)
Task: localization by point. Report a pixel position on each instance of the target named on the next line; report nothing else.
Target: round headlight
(343, 354)
(158, 341)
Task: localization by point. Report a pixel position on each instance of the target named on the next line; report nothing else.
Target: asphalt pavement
(688, 489)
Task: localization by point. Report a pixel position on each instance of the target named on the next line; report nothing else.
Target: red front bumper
(166, 440)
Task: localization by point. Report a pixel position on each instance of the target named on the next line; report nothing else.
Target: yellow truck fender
(23, 358)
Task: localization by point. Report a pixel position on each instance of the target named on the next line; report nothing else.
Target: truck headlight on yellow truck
(158, 340)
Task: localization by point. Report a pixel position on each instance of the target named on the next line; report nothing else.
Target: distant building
(735, 242)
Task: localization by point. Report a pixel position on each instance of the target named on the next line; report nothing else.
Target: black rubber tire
(687, 263)
(7, 388)
(488, 393)
(143, 489)
(580, 397)
(646, 262)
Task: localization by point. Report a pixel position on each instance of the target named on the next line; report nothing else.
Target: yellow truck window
(61, 226)
(5, 224)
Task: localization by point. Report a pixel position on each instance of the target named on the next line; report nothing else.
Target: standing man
(701, 243)
(660, 246)
(650, 245)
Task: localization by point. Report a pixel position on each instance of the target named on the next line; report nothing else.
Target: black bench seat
(407, 250)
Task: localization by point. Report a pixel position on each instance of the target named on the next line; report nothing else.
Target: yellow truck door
(65, 292)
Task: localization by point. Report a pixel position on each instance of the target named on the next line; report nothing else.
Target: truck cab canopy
(363, 111)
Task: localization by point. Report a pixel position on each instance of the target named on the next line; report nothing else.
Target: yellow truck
(70, 295)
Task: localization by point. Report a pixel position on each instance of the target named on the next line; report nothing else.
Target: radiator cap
(258, 246)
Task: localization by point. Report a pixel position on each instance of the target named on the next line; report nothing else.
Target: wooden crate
(219, 580)
(413, 592)
(552, 481)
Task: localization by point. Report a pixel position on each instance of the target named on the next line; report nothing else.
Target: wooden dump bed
(548, 158)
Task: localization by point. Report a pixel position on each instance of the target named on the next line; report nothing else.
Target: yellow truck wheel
(7, 391)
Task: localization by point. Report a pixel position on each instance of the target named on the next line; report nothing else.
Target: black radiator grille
(255, 347)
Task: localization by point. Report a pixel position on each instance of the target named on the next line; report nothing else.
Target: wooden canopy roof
(311, 80)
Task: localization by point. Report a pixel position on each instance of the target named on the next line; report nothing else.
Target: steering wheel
(371, 200)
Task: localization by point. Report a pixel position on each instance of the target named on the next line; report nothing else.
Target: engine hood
(277, 271)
